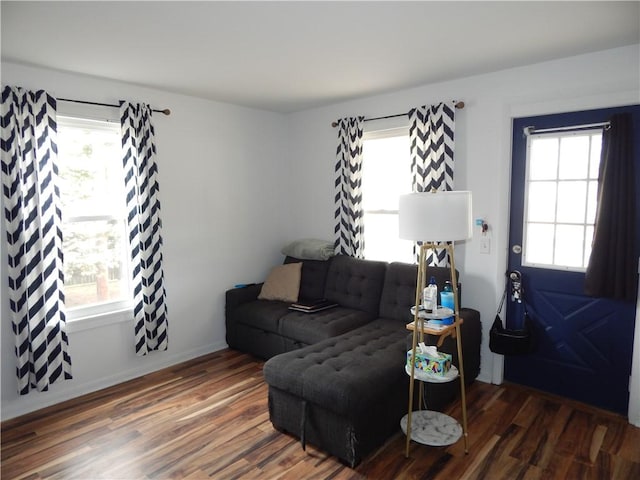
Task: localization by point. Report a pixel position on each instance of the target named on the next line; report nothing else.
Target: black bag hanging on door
(507, 341)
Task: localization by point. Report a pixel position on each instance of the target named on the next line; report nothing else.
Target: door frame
(547, 108)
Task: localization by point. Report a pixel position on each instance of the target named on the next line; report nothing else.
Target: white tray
(441, 312)
(432, 428)
(451, 375)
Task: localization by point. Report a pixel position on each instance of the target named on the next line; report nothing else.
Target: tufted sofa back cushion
(355, 283)
(313, 278)
(399, 291)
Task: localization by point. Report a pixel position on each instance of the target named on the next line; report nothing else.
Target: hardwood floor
(208, 418)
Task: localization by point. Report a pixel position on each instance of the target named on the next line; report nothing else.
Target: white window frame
(559, 134)
(104, 313)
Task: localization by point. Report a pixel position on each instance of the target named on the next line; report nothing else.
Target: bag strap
(506, 290)
(523, 296)
(504, 294)
(521, 299)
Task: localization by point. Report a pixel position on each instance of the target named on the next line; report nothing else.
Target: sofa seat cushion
(261, 314)
(346, 373)
(311, 328)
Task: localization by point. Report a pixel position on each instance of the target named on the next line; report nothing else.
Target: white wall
(482, 156)
(222, 193)
(228, 205)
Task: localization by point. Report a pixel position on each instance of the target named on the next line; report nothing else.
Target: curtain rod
(458, 105)
(532, 130)
(166, 111)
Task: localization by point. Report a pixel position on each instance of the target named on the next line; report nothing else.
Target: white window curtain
(144, 226)
(34, 237)
(349, 215)
(431, 134)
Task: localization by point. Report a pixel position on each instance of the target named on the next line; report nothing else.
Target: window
(386, 174)
(93, 217)
(560, 198)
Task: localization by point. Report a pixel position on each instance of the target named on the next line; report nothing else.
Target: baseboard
(54, 397)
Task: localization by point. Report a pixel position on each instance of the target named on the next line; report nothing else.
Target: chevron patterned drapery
(431, 134)
(144, 226)
(34, 237)
(349, 216)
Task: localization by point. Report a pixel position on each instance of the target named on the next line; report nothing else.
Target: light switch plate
(485, 245)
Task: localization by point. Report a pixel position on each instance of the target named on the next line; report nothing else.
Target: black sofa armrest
(237, 296)
(233, 299)
(471, 333)
(440, 394)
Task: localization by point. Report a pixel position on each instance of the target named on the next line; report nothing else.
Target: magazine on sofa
(312, 306)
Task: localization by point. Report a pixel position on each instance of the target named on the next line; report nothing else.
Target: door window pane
(543, 161)
(574, 157)
(592, 202)
(542, 202)
(588, 238)
(571, 204)
(596, 152)
(561, 195)
(539, 242)
(569, 245)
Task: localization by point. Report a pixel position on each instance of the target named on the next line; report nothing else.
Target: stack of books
(311, 306)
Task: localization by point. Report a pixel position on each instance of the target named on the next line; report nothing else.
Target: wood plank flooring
(208, 418)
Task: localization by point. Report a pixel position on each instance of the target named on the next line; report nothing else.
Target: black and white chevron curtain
(144, 225)
(349, 215)
(33, 220)
(34, 237)
(431, 134)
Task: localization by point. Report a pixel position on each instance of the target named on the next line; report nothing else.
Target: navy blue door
(584, 343)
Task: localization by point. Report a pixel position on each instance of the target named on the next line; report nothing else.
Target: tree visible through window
(386, 174)
(93, 217)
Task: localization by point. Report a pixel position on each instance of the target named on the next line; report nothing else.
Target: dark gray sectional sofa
(336, 377)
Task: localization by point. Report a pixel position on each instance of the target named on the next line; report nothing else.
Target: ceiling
(290, 56)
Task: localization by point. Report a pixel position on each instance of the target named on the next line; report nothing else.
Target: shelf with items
(450, 376)
(425, 426)
(429, 328)
(439, 314)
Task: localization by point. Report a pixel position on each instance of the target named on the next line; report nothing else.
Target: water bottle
(430, 296)
(446, 300)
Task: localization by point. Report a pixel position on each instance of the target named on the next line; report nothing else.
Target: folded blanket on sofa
(309, 249)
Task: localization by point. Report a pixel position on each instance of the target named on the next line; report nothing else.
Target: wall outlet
(485, 245)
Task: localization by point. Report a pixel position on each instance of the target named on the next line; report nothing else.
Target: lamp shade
(436, 217)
